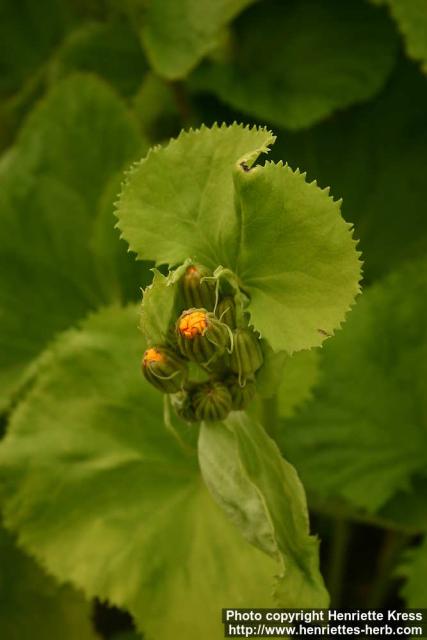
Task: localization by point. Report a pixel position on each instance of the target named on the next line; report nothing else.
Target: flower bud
(201, 336)
(240, 396)
(181, 402)
(198, 292)
(246, 357)
(164, 369)
(211, 402)
(170, 339)
(226, 311)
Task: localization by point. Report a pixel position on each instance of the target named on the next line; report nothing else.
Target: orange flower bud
(193, 323)
(152, 355)
(201, 336)
(164, 369)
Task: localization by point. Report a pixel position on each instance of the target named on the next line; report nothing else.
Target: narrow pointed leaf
(262, 494)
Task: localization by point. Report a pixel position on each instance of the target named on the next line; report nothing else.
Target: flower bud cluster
(209, 333)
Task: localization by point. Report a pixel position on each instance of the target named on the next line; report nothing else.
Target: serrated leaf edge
(184, 133)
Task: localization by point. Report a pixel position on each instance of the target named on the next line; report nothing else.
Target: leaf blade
(178, 201)
(262, 494)
(298, 260)
(110, 488)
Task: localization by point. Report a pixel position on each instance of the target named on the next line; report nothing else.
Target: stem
(270, 416)
(182, 101)
(337, 559)
(393, 545)
(168, 422)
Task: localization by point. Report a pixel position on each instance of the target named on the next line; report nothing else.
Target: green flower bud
(181, 402)
(240, 396)
(219, 367)
(211, 402)
(201, 336)
(170, 339)
(198, 293)
(226, 311)
(246, 357)
(164, 369)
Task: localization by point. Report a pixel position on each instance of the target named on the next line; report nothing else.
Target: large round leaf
(364, 435)
(32, 606)
(111, 502)
(82, 134)
(297, 258)
(111, 50)
(293, 62)
(176, 35)
(28, 35)
(414, 569)
(374, 158)
(411, 18)
(178, 202)
(52, 179)
(201, 197)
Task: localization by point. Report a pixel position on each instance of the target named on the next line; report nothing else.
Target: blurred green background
(86, 87)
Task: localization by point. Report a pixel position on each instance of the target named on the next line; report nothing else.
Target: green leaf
(414, 569)
(290, 377)
(363, 436)
(404, 513)
(406, 510)
(46, 273)
(285, 239)
(269, 377)
(75, 140)
(110, 50)
(374, 158)
(327, 56)
(111, 502)
(178, 202)
(297, 257)
(32, 606)
(155, 107)
(411, 18)
(159, 304)
(300, 375)
(82, 134)
(176, 36)
(29, 33)
(120, 275)
(262, 494)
